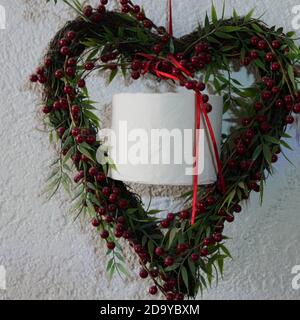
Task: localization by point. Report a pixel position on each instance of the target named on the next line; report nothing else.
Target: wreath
(181, 258)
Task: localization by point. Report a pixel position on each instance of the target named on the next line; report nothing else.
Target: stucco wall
(45, 254)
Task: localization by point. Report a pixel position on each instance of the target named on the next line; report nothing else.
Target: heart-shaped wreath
(181, 258)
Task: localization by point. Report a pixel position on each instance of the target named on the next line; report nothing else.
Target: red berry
(237, 208)
(91, 139)
(275, 90)
(204, 252)
(48, 62)
(246, 61)
(96, 223)
(170, 217)
(101, 177)
(159, 251)
(165, 224)
(46, 109)
(157, 49)
(126, 9)
(275, 66)
(276, 44)
(33, 78)
(190, 85)
(289, 119)
(241, 150)
(265, 127)
(135, 75)
(136, 65)
(169, 261)
(296, 108)
(207, 241)
(106, 191)
(93, 171)
(136, 9)
(254, 55)
(81, 83)
(254, 41)
(153, 290)
(148, 24)
(170, 296)
(113, 198)
(72, 62)
(61, 131)
(266, 95)
(201, 207)
(101, 211)
(65, 51)
(104, 2)
(200, 86)
(111, 245)
(75, 132)
(262, 45)
(195, 257)
(101, 9)
(80, 139)
(75, 110)
(140, 16)
(182, 247)
(42, 79)
(64, 42)
(87, 11)
(143, 274)
(184, 215)
(274, 158)
(59, 74)
(104, 234)
(109, 219)
(289, 99)
(205, 98)
(71, 35)
(70, 71)
(210, 201)
(229, 218)
(269, 57)
(119, 233)
(123, 204)
(89, 66)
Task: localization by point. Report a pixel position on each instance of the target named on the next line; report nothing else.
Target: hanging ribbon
(170, 18)
(200, 110)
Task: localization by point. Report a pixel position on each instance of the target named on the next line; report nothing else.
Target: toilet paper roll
(153, 138)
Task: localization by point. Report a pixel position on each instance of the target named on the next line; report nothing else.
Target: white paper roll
(154, 134)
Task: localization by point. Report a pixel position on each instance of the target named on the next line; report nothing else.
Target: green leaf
(291, 75)
(85, 152)
(257, 152)
(185, 277)
(225, 250)
(112, 75)
(249, 15)
(257, 28)
(286, 145)
(267, 153)
(172, 236)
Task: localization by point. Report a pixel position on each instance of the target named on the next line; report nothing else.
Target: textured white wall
(46, 255)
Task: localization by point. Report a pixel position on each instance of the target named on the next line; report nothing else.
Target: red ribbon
(170, 19)
(199, 110)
